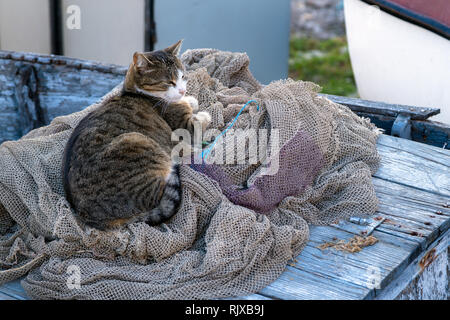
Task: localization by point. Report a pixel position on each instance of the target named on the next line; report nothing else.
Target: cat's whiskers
(163, 103)
(157, 104)
(164, 108)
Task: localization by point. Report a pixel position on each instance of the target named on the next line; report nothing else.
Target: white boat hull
(395, 61)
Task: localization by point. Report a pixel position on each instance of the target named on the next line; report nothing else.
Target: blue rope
(207, 151)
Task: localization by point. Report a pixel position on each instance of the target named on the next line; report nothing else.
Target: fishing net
(240, 220)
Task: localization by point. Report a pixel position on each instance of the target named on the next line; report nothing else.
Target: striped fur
(170, 200)
(117, 166)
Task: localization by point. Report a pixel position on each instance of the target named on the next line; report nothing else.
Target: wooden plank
(431, 284)
(16, 286)
(425, 278)
(390, 254)
(65, 86)
(336, 265)
(411, 214)
(29, 111)
(427, 132)
(405, 238)
(411, 218)
(435, 202)
(61, 60)
(297, 284)
(425, 151)
(407, 230)
(331, 274)
(376, 107)
(250, 297)
(14, 290)
(406, 168)
(424, 217)
(9, 125)
(12, 294)
(4, 296)
(63, 91)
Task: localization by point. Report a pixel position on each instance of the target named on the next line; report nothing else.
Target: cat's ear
(175, 48)
(141, 61)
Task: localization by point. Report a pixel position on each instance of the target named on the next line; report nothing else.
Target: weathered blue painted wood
(386, 109)
(298, 284)
(14, 290)
(251, 297)
(385, 257)
(405, 167)
(4, 296)
(425, 285)
(64, 86)
(422, 150)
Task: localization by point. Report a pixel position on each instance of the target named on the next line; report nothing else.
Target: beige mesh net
(212, 247)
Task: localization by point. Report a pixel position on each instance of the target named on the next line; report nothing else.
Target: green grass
(325, 62)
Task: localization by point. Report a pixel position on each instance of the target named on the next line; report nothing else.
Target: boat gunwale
(384, 113)
(52, 59)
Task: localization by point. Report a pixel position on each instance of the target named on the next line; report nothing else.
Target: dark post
(56, 24)
(150, 25)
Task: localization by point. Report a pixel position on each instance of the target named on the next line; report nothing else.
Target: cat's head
(158, 74)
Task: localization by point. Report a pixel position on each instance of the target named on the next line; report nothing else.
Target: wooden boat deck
(410, 257)
(413, 185)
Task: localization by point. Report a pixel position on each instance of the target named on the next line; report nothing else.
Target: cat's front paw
(203, 117)
(192, 102)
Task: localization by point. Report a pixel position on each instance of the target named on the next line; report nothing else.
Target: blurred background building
(112, 30)
(321, 19)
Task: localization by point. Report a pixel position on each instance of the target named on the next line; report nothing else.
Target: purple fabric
(300, 161)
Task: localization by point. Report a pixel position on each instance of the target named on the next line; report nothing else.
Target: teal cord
(206, 152)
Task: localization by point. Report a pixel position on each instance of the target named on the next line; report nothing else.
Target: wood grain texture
(64, 85)
(376, 107)
(432, 133)
(13, 290)
(424, 278)
(428, 132)
(4, 296)
(438, 155)
(418, 171)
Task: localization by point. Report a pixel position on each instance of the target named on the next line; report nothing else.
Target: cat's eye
(172, 83)
(184, 77)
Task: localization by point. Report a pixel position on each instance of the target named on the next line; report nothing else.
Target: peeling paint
(429, 257)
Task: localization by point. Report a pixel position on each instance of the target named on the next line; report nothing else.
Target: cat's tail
(170, 200)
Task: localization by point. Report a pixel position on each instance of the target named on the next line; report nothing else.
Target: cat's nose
(182, 91)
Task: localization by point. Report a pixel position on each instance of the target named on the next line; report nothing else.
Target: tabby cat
(117, 165)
